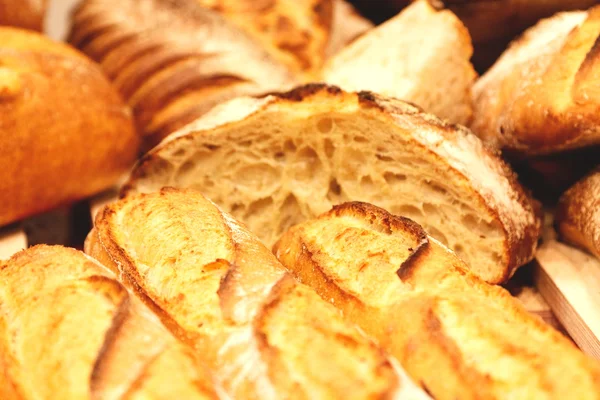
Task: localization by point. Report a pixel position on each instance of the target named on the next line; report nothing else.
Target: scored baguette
(26, 14)
(262, 334)
(275, 161)
(578, 214)
(172, 60)
(403, 58)
(458, 336)
(69, 330)
(542, 96)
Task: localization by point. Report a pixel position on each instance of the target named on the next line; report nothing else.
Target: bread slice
(542, 96)
(69, 330)
(173, 60)
(213, 283)
(458, 336)
(276, 161)
(578, 214)
(421, 55)
(297, 33)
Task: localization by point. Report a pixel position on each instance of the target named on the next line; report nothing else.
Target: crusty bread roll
(261, 333)
(69, 330)
(172, 60)
(278, 160)
(297, 33)
(405, 57)
(578, 214)
(66, 133)
(457, 336)
(28, 14)
(542, 95)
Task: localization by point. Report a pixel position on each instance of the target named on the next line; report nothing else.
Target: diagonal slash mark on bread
(277, 160)
(456, 335)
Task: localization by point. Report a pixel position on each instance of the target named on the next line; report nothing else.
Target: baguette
(172, 60)
(459, 337)
(27, 14)
(261, 333)
(402, 58)
(69, 330)
(578, 214)
(541, 96)
(66, 133)
(278, 160)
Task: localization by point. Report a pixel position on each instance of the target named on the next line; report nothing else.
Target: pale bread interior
(421, 55)
(275, 170)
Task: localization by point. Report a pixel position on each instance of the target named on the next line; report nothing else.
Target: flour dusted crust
(541, 96)
(578, 214)
(482, 186)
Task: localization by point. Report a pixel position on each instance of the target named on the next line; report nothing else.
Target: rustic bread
(66, 133)
(458, 336)
(297, 33)
(405, 57)
(542, 95)
(69, 330)
(276, 161)
(578, 214)
(262, 334)
(28, 14)
(172, 60)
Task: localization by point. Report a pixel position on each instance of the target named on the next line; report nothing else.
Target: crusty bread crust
(173, 60)
(542, 95)
(53, 152)
(69, 330)
(484, 178)
(458, 336)
(27, 14)
(217, 287)
(578, 214)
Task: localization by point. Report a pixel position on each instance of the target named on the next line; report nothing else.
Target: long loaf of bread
(262, 334)
(70, 330)
(459, 337)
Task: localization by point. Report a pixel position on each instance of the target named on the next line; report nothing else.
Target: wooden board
(569, 280)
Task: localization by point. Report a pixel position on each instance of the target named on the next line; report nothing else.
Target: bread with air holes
(578, 214)
(277, 160)
(70, 330)
(217, 287)
(404, 58)
(542, 96)
(459, 337)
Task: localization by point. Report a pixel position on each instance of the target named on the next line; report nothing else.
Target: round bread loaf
(27, 14)
(64, 131)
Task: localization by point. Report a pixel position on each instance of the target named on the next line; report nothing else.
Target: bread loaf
(172, 60)
(278, 160)
(542, 96)
(66, 133)
(28, 14)
(403, 58)
(578, 214)
(459, 337)
(262, 334)
(69, 330)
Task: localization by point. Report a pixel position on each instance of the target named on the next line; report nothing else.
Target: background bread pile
(187, 299)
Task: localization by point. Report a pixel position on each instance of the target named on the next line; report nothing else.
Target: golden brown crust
(488, 179)
(218, 287)
(27, 14)
(70, 330)
(456, 335)
(53, 152)
(541, 96)
(578, 214)
(160, 52)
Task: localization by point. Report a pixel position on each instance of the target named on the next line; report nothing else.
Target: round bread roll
(64, 131)
(27, 14)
